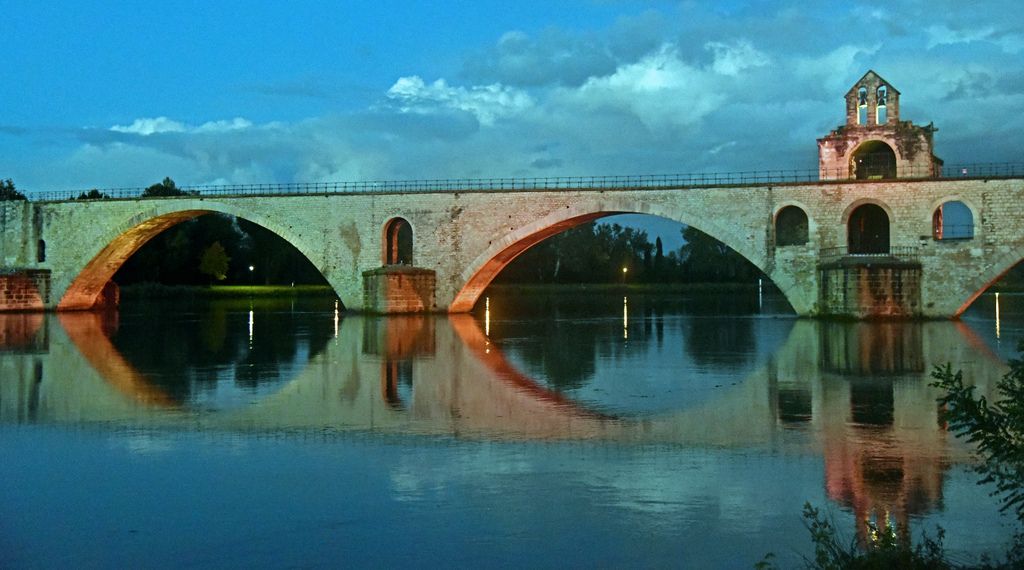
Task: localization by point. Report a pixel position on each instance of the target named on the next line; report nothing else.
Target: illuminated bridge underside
(467, 237)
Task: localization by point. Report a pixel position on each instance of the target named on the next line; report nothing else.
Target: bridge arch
(124, 238)
(502, 249)
(994, 272)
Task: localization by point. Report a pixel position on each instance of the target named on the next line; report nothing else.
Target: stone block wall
(911, 144)
(24, 290)
(15, 232)
(399, 289)
(866, 290)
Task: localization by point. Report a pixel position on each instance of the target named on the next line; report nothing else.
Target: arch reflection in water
(398, 341)
(447, 378)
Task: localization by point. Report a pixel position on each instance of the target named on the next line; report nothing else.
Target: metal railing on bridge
(894, 252)
(627, 182)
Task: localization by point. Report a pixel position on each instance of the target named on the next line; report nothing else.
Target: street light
(624, 271)
(251, 268)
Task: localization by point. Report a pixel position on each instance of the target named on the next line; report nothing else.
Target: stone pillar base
(24, 289)
(399, 289)
(878, 288)
(110, 296)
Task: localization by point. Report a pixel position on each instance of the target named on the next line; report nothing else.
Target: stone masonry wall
(15, 233)
(881, 289)
(459, 235)
(396, 289)
(25, 290)
(911, 145)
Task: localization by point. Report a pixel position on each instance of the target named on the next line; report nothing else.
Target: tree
(214, 262)
(8, 192)
(165, 188)
(704, 258)
(996, 428)
(93, 194)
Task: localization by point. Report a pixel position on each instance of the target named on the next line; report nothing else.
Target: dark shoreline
(159, 291)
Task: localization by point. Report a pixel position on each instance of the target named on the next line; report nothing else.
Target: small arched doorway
(873, 160)
(790, 226)
(398, 242)
(868, 230)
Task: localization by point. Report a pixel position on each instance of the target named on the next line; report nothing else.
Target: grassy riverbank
(571, 288)
(159, 291)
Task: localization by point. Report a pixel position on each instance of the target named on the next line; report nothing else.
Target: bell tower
(874, 143)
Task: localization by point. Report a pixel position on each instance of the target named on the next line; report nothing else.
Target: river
(582, 429)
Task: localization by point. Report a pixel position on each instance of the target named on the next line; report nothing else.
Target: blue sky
(123, 94)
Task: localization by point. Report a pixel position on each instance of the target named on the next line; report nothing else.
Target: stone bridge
(854, 247)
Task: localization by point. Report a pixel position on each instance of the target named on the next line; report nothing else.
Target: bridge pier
(870, 288)
(24, 289)
(397, 289)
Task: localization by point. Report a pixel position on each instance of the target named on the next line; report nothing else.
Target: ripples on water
(541, 431)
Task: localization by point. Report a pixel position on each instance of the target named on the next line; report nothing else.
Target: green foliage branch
(9, 192)
(214, 262)
(996, 428)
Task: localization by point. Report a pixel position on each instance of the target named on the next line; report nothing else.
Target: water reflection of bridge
(855, 393)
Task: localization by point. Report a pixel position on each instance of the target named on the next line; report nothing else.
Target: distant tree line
(598, 253)
(217, 248)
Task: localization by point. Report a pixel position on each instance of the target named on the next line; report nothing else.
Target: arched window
(41, 251)
(953, 220)
(790, 226)
(868, 230)
(872, 160)
(862, 106)
(881, 110)
(398, 242)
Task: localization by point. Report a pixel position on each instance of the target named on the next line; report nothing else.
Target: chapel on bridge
(874, 143)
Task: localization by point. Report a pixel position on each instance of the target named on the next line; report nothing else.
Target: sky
(122, 94)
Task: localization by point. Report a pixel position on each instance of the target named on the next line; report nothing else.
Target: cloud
(553, 58)
(146, 127)
(158, 125)
(941, 34)
(235, 124)
(837, 69)
(557, 57)
(487, 103)
(660, 90)
(733, 59)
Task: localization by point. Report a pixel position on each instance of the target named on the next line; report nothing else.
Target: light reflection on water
(703, 420)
